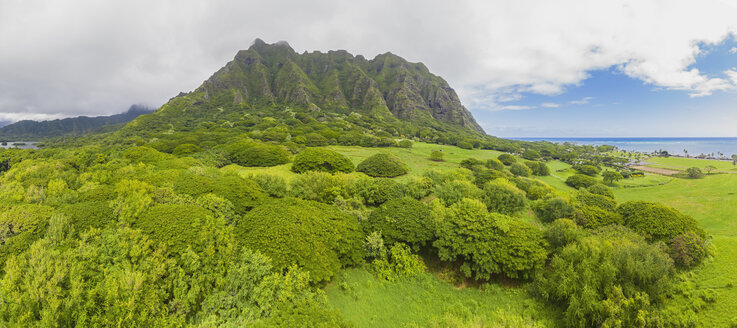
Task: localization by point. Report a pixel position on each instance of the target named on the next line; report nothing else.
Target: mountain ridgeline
(73, 126)
(386, 95)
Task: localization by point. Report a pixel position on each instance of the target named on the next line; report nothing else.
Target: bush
(538, 168)
(589, 170)
(552, 209)
(315, 236)
(382, 165)
(375, 191)
(594, 217)
(320, 159)
(273, 185)
(418, 187)
(600, 189)
(453, 191)
(465, 145)
(611, 176)
(585, 198)
(530, 154)
(694, 173)
(471, 163)
(688, 249)
(500, 196)
(520, 170)
(581, 181)
(399, 264)
(494, 164)
(507, 159)
(488, 243)
(402, 220)
(657, 221)
(260, 155)
(405, 144)
(318, 186)
(481, 176)
(563, 232)
(176, 226)
(437, 155)
(186, 149)
(85, 215)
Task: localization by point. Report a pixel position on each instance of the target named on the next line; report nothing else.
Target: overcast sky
(588, 66)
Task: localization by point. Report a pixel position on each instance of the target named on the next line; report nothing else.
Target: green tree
(382, 165)
(437, 155)
(500, 196)
(320, 159)
(611, 177)
(694, 173)
(403, 220)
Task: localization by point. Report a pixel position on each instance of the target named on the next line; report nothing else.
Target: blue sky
(609, 103)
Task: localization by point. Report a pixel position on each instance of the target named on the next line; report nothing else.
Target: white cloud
(733, 50)
(515, 107)
(582, 101)
(81, 57)
(550, 105)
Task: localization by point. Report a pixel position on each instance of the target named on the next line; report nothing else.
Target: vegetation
(382, 165)
(323, 160)
(581, 181)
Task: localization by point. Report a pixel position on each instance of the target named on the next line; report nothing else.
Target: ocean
(694, 146)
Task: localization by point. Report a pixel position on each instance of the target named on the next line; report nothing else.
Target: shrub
(418, 187)
(530, 154)
(494, 164)
(382, 165)
(688, 249)
(507, 159)
(589, 170)
(600, 189)
(176, 226)
(488, 243)
(315, 236)
(273, 185)
(520, 170)
(608, 280)
(538, 168)
(260, 155)
(318, 186)
(399, 264)
(471, 163)
(85, 215)
(585, 198)
(403, 220)
(563, 232)
(405, 144)
(437, 155)
(594, 217)
(549, 210)
(611, 176)
(657, 221)
(465, 145)
(243, 193)
(483, 175)
(581, 181)
(320, 159)
(186, 149)
(694, 173)
(453, 191)
(375, 191)
(500, 196)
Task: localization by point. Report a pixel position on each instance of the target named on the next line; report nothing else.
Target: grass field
(679, 163)
(368, 302)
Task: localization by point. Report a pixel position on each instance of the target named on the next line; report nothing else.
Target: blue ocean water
(694, 146)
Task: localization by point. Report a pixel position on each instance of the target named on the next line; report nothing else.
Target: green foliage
(694, 173)
(318, 186)
(437, 155)
(399, 263)
(608, 279)
(382, 165)
(465, 145)
(315, 236)
(657, 221)
(494, 164)
(500, 196)
(688, 249)
(186, 149)
(520, 169)
(418, 187)
(488, 243)
(91, 214)
(586, 198)
(320, 159)
(402, 220)
(589, 170)
(173, 225)
(405, 143)
(259, 155)
(375, 191)
(273, 185)
(549, 210)
(471, 163)
(531, 154)
(579, 181)
(507, 159)
(538, 168)
(600, 189)
(453, 191)
(563, 232)
(611, 176)
(20, 226)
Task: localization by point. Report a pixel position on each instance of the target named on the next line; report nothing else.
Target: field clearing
(368, 302)
(656, 170)
(712, 201)
(684, 163)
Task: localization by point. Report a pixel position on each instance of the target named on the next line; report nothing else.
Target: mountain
(35, 130)
(272, 81)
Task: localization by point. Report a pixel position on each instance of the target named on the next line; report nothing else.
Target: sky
(523, 68)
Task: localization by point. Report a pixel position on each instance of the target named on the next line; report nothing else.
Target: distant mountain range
(28, 130)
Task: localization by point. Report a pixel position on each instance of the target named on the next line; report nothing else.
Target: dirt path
(656, 170)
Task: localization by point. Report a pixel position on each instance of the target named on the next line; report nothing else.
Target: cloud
(549, 105)
(80, 57)
(516, 107)
(733, 50)
(582, 101)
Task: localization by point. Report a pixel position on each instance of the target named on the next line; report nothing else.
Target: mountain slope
(386, 93)
(74, 126)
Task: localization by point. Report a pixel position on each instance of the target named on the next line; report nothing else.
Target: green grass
(368, 302)
(680, 163)
(712, 201)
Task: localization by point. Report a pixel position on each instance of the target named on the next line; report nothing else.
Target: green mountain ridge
(273, 77)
